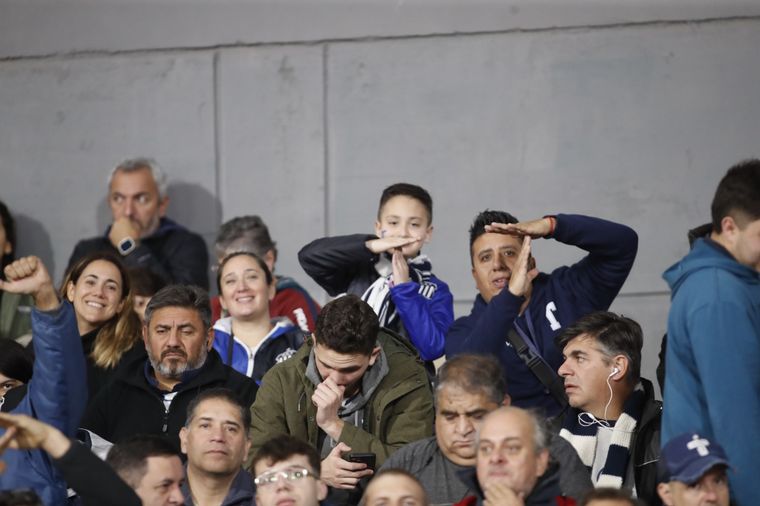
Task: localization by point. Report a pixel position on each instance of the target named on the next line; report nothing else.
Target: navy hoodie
(557, 301)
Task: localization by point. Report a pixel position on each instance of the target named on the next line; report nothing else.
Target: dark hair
(615, 334)
(347, 325)
(15, 361)
(251, 234)
(413, 191)
(145, 282)
(257, 258)
(129, 458)
(186, 296)
(283, 447)
(122, 331)
(738, 194)
(10, 236)
(224, 394)
(486, 218)
(475, 374)
(606, 493)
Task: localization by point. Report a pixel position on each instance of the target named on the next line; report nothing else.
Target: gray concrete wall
(303, 111)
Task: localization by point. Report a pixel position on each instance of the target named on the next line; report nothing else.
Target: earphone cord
(592, 419)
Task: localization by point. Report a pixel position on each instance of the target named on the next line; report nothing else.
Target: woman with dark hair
(248, 340)
(15, 309)
(99, 289)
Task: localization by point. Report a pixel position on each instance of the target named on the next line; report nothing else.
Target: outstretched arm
(333, 262)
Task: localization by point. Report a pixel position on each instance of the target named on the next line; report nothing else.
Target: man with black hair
(356, 388)
(216, 440)
(614, 420)
(151, 395)
(514, 297)
(713, 354)
(287, 471)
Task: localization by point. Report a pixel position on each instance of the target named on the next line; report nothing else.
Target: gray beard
(176, 370)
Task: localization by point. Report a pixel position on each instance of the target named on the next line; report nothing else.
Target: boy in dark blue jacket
(388, 271)
(514, 294)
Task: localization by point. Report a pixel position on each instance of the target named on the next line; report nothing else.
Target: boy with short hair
(388, 271)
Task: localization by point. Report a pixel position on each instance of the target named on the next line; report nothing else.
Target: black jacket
(131, 405)
(172, 252)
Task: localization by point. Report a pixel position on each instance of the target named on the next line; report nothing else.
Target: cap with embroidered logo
(686, 458)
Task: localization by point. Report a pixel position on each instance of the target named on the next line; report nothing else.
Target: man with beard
(151, 396)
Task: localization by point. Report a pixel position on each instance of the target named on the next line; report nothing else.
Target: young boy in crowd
(388, 271)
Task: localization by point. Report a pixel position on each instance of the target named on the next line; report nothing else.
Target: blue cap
(686, 458)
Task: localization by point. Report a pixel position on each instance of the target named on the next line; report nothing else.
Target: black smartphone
(364, 458)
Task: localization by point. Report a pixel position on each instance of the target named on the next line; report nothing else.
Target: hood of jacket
(706, 256)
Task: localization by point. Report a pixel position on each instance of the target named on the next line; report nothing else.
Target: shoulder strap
(539, 368)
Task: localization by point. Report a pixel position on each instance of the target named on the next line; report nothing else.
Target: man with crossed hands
(355, 389)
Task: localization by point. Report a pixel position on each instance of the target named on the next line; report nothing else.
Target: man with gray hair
(512, 462)
(140, 230)
(151, 395)
(468, 387)
(250, 233)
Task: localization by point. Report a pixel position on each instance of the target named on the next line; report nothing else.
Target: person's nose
(498, 263)
(463, 425)
(173, 339)
(564, 370)
(496, 456)
(176, 496)
(129, 207)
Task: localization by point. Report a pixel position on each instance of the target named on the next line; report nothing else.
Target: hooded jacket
(399, 410)
(130, 404)
(173, 252)
(56, 395)
(712, 382)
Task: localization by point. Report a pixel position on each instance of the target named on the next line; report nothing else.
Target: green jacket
(14, 321)
(399, 411)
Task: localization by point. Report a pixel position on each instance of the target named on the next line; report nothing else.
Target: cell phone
(364, 458)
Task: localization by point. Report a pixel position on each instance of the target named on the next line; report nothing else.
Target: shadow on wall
(33, 239)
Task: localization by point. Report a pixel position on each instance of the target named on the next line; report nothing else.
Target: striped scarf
(584, 439)
(378, 295)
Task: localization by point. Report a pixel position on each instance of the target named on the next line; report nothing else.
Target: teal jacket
(399, 411)
(712, 383)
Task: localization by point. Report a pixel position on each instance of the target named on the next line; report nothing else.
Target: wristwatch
(127, 245)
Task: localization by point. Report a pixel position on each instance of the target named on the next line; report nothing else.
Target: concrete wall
(303, 111)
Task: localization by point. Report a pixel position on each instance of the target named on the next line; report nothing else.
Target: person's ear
(70, 291)
(163, 205)
(379, 229)
(8, 248)
(507, 400)
(183, 440)
(663, 490)
(270, 259)
(374, 355)
(531, 262)
(621, 366)
(543, 462)
(210, 338)
(428, 234)
(321, 490)
(145, 335)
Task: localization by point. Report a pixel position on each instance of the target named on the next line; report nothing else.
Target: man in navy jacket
(513, 293)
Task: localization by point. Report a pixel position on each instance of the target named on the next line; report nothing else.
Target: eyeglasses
(290, 474)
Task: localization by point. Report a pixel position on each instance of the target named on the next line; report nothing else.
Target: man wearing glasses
(287, 472)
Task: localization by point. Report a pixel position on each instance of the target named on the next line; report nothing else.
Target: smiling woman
(248, 340)
(98, 288)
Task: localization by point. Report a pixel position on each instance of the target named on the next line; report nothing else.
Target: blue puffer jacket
(57, 395)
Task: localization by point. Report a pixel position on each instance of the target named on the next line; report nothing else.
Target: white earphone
(615, 370)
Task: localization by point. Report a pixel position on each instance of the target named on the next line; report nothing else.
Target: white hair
(133, 164)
